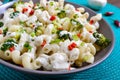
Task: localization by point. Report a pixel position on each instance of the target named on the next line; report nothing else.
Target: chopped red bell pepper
(31, 12)
(91, 22)
(52, 18)
(78, 35)
(43, 43)
(72, 45)
(12, 48)
(24, 10)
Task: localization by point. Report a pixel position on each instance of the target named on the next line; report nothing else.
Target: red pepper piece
(91, 22)
(31, 12)
(72, 45)
(43, 43)
(52, 18)
(12, 48)
(24, 10)
(78, 35)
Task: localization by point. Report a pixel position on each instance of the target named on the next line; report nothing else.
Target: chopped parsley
(1, 24)
(5, 31)
(14, 14)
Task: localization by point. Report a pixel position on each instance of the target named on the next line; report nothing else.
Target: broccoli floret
(101, 40)
(61, 14)
(51, 3)
(27, 46)
(76, 25)
(63, 37)
(7, 44)
(75, 16)
(38, 30)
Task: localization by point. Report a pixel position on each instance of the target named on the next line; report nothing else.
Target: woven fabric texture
(107, 70)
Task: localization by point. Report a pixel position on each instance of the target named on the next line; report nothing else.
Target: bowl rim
(18, 68)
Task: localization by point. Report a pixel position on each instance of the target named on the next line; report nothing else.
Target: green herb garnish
(5, 31)
(1, 24)
(14, 14)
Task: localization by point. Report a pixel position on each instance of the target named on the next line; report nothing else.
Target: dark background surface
(115, 2)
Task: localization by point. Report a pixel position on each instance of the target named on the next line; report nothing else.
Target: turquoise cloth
(5, 1)
(107, 70)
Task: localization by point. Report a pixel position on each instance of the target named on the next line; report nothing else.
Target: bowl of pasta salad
(53, 37)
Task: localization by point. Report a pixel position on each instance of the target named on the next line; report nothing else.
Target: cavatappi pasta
(50, 35)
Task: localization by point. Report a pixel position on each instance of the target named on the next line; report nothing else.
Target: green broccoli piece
(38, 30)
(75, 16)
(76, 26)
(51, 3)
(27, 46)
(61, 14)
(7, 44)
(101, 40)
(63, 37)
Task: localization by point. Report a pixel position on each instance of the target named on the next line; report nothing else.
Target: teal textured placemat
(107, 70)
